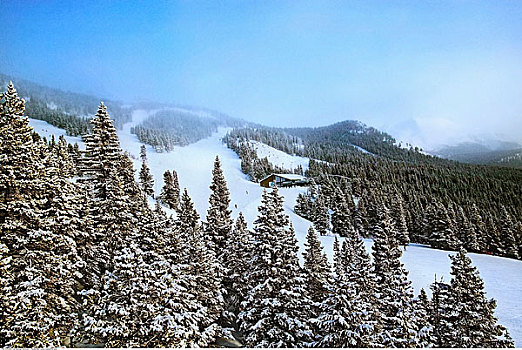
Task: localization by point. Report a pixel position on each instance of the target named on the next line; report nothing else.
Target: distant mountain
(169, 124)
(498, 153)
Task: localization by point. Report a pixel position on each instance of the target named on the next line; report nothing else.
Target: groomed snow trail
(194, 163)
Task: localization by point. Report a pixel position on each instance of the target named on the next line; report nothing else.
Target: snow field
(279, 158)
(47, 130)
(193, 163)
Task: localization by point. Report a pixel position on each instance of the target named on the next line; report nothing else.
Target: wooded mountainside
(446, 203)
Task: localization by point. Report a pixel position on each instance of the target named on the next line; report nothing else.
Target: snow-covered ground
(46, 130)
(279, 158)
(362, 150)
(194, 163)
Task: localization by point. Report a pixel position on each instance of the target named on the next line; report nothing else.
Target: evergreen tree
(240, 249)
(399, 215)
(321, 217)
(439, 228)
(317, 269)
(39, 260)
(441, 314)
(113, 211)
(474, 323)
(146, 179)
(146, 299)
(341, 219)
(219, 223)
(202, 265)
(422, 314)
(169, 193)
(394, 294)
(507, 232)
(274, 314)
(348, 319)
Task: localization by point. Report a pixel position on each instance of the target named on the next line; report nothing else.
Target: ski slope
(279, 158)
(194, 163)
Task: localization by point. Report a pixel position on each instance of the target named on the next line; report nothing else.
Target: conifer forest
(260, 174)
(91, 257)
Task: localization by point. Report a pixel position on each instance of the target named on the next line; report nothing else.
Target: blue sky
(430, 72)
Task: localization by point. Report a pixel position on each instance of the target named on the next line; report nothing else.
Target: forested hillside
(171, 127)
(66, 110)
(439, 202)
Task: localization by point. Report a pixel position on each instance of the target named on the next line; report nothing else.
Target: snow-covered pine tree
(466, 232)
(394, 293)
(355, 261)
(337, 262)
(39, 261)
(438, 227)
(360, 218)
(474, 323)
(341, 218)
(480, 226)
(399, 215)
(441, 315)
(146, 179)
(112, 211)
(303, 205)
(348, 319)
(275, 312)
(240, 248)
(317, 271)
(169, 193)
(202, 265)
(340, 319)
(321, 216)
(507, 232)
(147, 299)
(219, 223)
(422, 314)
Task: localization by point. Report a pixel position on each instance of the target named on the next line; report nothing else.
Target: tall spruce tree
(219, 223)
(169, 193)
(474, 323)
(274, 314)
(394, 293)
(40, 262)
(317, 270)
(146, 179)
(240, 247)
(348, 319)
(203, 267)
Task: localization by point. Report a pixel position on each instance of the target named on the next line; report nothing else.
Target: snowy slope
(46, 130)
(279, 158)
(502, 277)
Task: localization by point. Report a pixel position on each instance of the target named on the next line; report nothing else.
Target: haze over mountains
(478, 150)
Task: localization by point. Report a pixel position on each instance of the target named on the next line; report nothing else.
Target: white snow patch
(279, 158)
(46, 130)
(362, 149)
